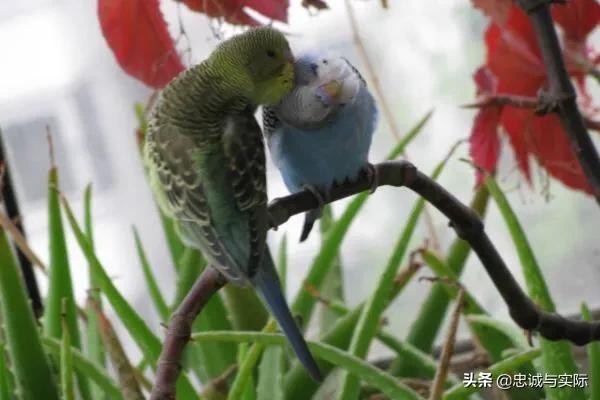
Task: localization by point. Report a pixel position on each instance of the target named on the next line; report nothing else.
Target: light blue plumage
(321, 133)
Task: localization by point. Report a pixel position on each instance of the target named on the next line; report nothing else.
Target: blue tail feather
(267, 284)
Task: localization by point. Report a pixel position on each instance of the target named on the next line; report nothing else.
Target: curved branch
(562, 97)
(468, 227)
(179, 332)
(463, 220)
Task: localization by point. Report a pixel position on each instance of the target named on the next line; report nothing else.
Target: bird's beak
(332, 88)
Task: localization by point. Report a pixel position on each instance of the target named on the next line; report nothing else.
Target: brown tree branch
(522, 102)
(179, 332)
(561, 96)
(463, 220)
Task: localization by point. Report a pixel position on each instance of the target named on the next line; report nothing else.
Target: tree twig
(463, 220)
(179, 332)
(437, 387)
(468, 227)
(561, 97)
(522, 102)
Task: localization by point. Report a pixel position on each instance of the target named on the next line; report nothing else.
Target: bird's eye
(270, 53)
(314, 67)
(324, 61)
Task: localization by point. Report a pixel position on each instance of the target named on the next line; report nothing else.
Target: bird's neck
(204, 94)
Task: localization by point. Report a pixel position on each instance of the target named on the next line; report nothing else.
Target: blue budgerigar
(320, 133)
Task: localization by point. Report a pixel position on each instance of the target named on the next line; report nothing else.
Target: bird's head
(324, 85)
(263, 57)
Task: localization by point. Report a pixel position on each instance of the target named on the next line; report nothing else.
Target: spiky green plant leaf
(557, 357)
(593, 352)
(368, 322)
(86, 367)
(461, 391)
(381, 380)
(60, 284)
(135, 325)
(30, 367)
(426, 326)
(155, 294)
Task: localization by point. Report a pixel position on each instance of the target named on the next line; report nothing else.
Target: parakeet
(321, 132)
(205, 158)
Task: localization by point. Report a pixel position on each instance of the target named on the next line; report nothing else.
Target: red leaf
(544, 138)
(484, 141)
(497, 10)
(485, 80)
(578, 18)
(233, 10)
(513, 56)
(137, 34)
(512, 121)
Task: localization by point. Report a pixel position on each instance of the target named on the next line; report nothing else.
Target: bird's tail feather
(309, 220)
(267, 284)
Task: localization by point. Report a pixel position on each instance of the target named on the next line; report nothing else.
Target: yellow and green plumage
(206, 162)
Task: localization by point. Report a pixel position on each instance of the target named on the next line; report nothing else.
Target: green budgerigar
(205, 158)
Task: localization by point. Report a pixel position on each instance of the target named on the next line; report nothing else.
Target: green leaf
(190, 266)
(409, 136)
(370, 374)
(270, 374)
(66, 366)
(593, 351)
(509, 330)
(270, 370)
(29, 365)
(298, 385)
(95, 348)
(471, 306)
(494, 336)
(461, 391)
(333, 285)
(5, 382)
(368, 322)
(176, 247)
(282, 263)
(87, 368)
(128, 381)
(557, 357)
(304, 302)
(247, 364)
(135, 325)
(432, 311)
(60, 284)
(153, 289)
(415, 356)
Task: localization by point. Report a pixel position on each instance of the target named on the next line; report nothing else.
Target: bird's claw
(373, 177)
(320, 197)
(272, 222)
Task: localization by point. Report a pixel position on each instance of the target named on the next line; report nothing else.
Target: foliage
(514, 68)
(265, 371)
(51, 362)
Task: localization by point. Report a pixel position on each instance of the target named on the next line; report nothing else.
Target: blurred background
(57, 72)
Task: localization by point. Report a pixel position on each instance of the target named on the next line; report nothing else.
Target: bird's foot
(373, 177)
(272, 221)
(322, 198)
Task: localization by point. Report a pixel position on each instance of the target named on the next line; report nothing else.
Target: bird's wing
(244, 151)
(182, 195)
(270, 122)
